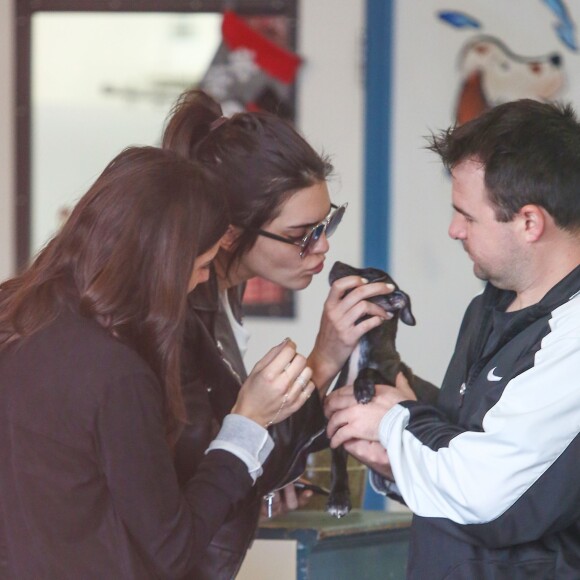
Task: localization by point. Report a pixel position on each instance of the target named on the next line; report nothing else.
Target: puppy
(374, 361)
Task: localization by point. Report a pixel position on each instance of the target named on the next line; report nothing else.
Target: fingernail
(364, 280)
(390, 286)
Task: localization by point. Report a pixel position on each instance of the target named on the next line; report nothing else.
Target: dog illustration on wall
(492, 74)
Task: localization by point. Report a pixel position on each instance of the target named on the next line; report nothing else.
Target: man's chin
(480, 274)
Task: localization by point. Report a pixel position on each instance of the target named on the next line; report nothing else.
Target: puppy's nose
(556, 60)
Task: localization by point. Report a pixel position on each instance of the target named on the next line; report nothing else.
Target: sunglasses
(328, 225)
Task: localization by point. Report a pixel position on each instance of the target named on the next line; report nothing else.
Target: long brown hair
(124, 258)
(261, 157)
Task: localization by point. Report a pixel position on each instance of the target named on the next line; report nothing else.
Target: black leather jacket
(212, 374)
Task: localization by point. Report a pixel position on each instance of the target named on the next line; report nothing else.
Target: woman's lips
(318, 269)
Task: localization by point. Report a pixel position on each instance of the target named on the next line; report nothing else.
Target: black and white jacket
(493, 471)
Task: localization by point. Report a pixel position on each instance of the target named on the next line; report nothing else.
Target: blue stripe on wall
(378, 103)
(379, 26)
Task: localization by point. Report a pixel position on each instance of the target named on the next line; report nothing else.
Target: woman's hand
(277, 387)
(339, 333)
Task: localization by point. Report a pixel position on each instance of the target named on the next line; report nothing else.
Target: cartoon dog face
(492, 74)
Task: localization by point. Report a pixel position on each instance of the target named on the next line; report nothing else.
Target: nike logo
(491, 376)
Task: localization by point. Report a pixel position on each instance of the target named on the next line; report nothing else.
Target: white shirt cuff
(246, 440)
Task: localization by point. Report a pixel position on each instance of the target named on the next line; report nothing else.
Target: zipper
(462, 390)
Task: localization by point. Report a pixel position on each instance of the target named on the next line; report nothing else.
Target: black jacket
(87, 483)
(213, 372)
(493, 472)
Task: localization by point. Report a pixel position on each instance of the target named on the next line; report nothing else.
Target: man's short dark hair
(530, 152)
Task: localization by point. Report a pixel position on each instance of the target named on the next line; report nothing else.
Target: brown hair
(530, 152)
(261, 157)
(124, 257)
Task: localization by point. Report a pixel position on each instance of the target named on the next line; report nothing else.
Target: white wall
(6, 140)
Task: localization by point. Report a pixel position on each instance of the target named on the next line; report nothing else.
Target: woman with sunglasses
(281, 219)
(91, 401)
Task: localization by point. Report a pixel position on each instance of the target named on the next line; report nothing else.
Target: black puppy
(374, 361)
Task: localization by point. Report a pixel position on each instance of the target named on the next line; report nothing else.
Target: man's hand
(372, 454)
(351, 420)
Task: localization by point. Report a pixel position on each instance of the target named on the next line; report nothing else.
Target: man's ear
(534, 221)
(230, 237)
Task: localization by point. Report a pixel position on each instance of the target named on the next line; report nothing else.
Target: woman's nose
(321, 245)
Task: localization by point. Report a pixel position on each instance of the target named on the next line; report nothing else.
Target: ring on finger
(303, 382)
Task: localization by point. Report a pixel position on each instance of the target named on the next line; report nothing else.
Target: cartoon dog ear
(471, 102)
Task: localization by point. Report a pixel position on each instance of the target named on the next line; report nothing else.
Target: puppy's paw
(364, 390)
(338, 504)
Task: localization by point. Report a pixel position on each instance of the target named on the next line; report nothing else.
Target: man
(492, 472)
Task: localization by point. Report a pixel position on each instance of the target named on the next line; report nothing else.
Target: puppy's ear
(230, 237)
(407, 316)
